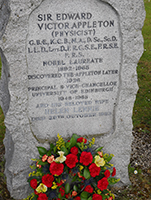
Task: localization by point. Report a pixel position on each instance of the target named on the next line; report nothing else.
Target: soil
(140, 161)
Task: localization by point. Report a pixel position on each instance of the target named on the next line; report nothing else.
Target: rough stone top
(83, 51)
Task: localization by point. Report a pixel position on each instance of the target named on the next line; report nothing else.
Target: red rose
(107, 173)
(102, 184)
(56, 168)
(71, 160)
(33, 183)
(96, 197)
(77, 198)
(114, 171)
(47, 180)
(74, 150)
(81, 139)
(86, 158)
(94, 170)
(88, 189)
(62, 192)
(42, 196)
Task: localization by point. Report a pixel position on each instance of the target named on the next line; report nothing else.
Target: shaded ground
(140, 161)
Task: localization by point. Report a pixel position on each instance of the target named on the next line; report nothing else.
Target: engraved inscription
(73, 56)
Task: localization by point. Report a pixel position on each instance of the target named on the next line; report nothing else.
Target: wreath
(72, 170)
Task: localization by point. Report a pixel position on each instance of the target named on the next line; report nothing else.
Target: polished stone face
(74, 61)
(68, 67)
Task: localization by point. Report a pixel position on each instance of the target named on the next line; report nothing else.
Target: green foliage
(142, 107)
(86, 173)
(42, 150)
(67, 188)
(84, 195)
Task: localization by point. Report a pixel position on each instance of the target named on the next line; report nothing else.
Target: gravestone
(68, 67)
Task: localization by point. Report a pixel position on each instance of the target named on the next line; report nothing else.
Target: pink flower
(44, 158)
(50, 159)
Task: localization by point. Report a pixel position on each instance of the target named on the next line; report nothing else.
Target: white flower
(136, 164)
(135, 172)
(61, 158)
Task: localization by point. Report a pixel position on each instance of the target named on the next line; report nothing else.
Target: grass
(141, 182)
(142, 107)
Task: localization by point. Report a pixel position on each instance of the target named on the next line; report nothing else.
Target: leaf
(83, 198)
(51, 146)
(103, 197)
(59, 196)
(84, 195)
(90, 198)
(75, 188)
(75, 136)
(49, 153)
(42, 163)
(64, 150)
(86, 173)
(79, 145)
(113, 180)
(42, 150)
(71, 143)
(109, 158)
(55, 149)
(67, 188)
(99, 149)
(35, 197)
(73, 140)
(67, 145)
(74, 178)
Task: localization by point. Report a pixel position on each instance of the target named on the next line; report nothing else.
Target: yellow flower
(54, 186)
(60, 143)
(98, 192)
(81, 167)
(99, 161)
(61, 158)
(41, 188)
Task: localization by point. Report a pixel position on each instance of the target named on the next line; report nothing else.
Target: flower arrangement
(72, 170)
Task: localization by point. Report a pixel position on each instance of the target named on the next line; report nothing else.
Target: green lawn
(142, 107)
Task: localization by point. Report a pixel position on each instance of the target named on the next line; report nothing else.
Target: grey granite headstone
(68, 67)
